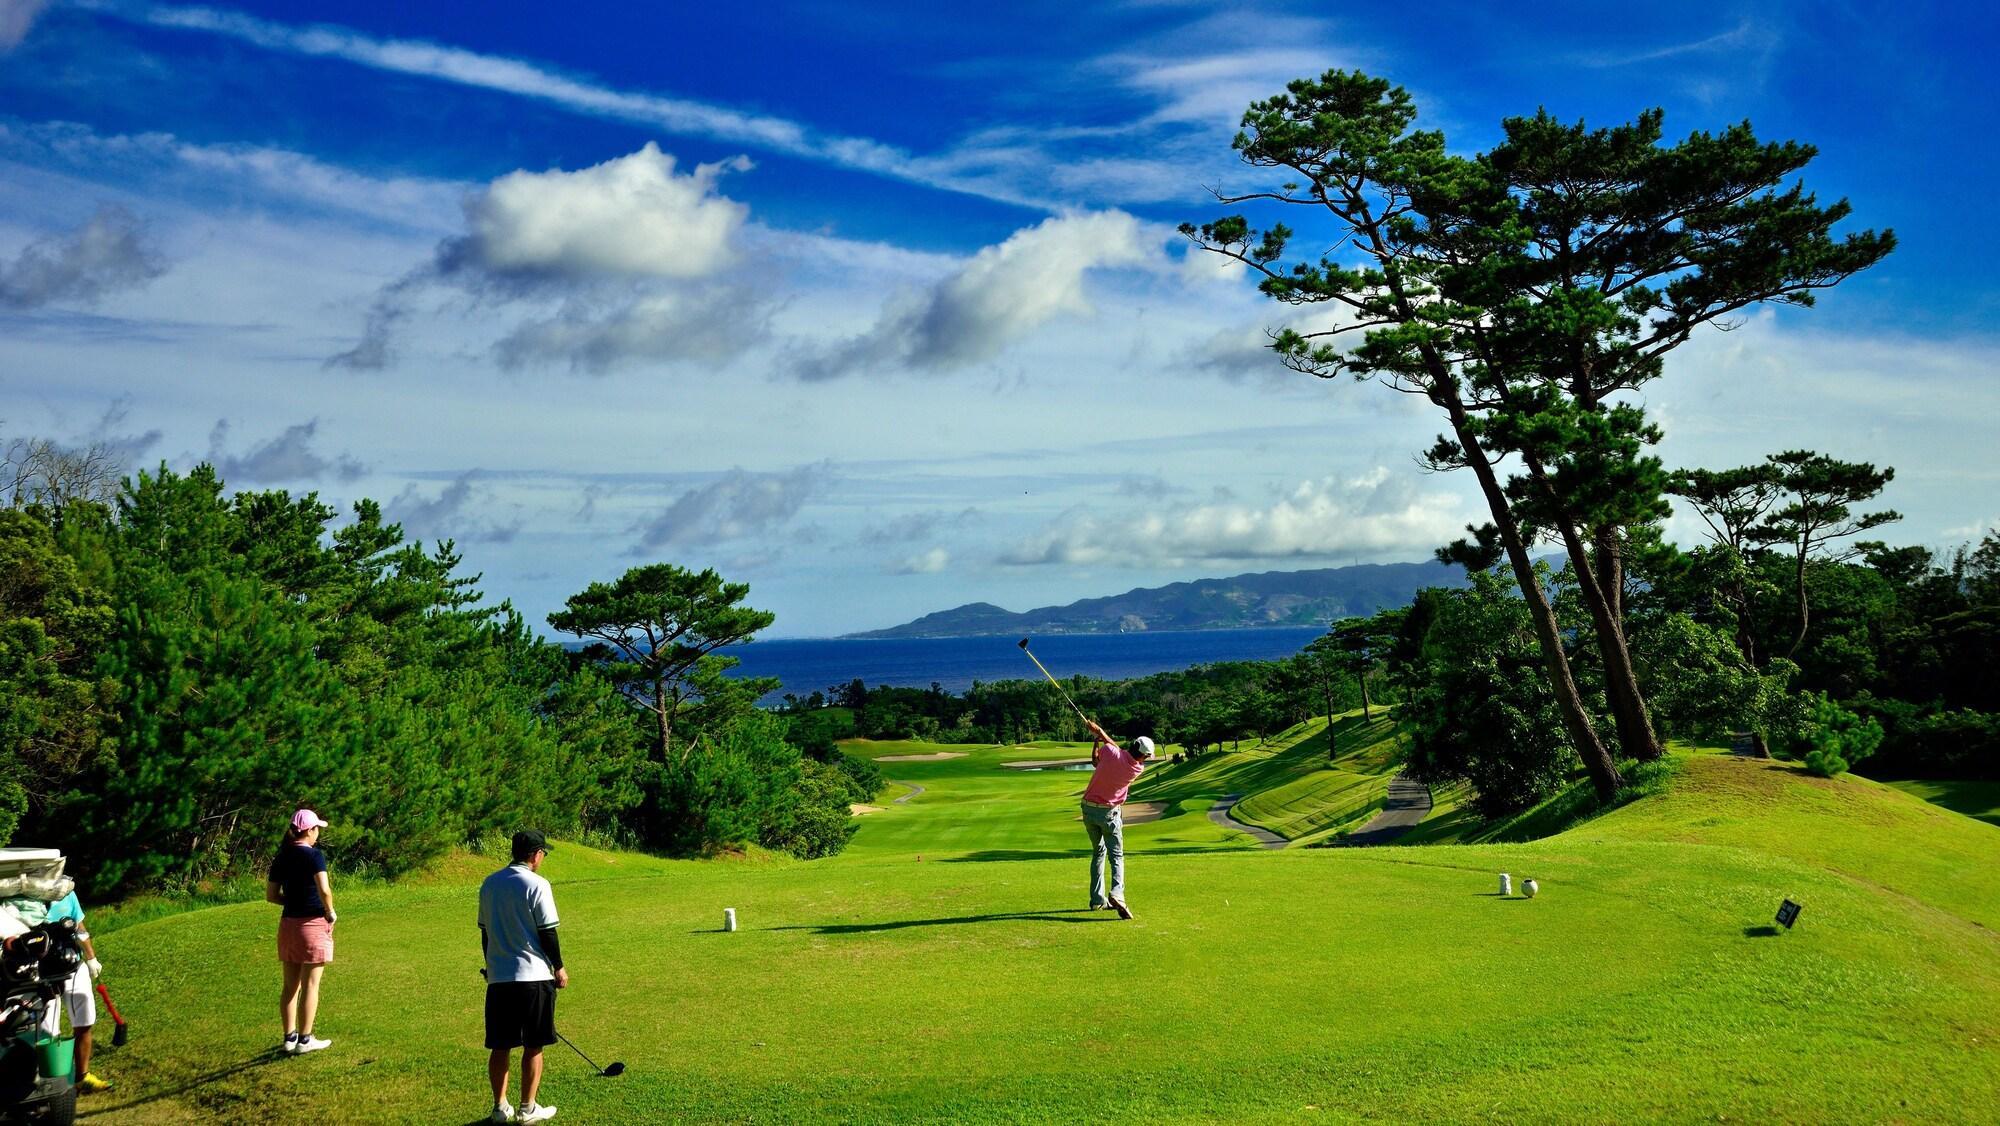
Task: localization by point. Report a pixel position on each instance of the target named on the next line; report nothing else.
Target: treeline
(1201, 707)
(180, 667)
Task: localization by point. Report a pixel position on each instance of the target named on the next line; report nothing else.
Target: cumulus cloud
(736, 505)
(618, 244)
(1376, 514)
(1005, 292)
(16, 17)
(107, 253)
(290, 456)
(630, 217)
(926, 563)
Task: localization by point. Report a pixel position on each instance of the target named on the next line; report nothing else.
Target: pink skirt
(308, 941)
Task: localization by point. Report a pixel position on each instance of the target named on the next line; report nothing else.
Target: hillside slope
(944, 970)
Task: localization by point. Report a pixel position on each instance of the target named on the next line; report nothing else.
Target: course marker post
(1788, 913)
(729, 918)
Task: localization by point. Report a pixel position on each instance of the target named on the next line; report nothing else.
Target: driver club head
(1023, 643)
(612, 1070)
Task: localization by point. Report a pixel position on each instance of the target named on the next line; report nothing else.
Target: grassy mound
(944, 970)
(1289, 785)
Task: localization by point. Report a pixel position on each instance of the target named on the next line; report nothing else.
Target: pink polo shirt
(1115, 772)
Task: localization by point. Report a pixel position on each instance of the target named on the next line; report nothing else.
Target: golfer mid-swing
(1103, 819)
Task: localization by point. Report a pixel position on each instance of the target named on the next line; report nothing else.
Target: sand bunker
(1038, 764)
(923, 758)
(859, 810)
(1140, 812)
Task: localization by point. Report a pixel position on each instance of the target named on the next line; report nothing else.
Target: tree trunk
(1367, 715)
(1596, 761)
(1608, 554)
(1801, 638)
(666, 720)
(1621, 683)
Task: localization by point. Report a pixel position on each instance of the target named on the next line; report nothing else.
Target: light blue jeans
(1107, 842)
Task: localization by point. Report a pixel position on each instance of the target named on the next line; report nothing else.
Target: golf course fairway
(944, 969)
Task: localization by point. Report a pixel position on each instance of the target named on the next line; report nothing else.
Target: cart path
(1219, 813)
(1408, 803)
(914, 791)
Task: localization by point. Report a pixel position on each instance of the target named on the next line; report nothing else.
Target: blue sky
(878, 307)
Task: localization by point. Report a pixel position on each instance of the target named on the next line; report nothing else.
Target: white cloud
(1002, 294)
(16, 17)
(108, 253)
(737, 505)
(629, 217)
(927, 563)
(1376, 514)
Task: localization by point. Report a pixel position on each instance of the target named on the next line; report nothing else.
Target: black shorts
(520, 1014)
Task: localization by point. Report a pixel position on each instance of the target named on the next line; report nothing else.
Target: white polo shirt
(514, 903)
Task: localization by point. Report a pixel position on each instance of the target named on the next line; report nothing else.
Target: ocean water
(953, 663)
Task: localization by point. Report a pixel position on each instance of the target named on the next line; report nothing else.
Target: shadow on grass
(267, 1056)
(1073, 915)
(1765, 931)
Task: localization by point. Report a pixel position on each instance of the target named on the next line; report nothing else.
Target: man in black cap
(524, 968)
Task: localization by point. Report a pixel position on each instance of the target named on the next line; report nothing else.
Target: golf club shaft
(1057, 683)
(579, 1052)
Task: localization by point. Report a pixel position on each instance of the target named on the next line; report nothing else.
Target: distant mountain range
(1272, 598)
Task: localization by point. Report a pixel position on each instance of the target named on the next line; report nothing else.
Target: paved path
(1219, 813)
(1409, 801)
(914, 791)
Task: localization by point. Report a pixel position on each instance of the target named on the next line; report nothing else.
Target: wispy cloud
(16, 17)
(736, 505)
(1743, 34)
(461, 511)
(686, 116)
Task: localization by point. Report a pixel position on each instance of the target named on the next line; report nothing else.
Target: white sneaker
(501, 1113)
(310, 1044)
(291, 1044)
(540, 1112)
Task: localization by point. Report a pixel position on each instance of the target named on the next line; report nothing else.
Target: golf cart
(37, 958)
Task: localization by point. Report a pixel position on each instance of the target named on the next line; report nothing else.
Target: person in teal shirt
(76, 995)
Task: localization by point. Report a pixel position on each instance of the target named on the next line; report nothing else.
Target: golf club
(1053, 680)
(612, 1071)
(118, 1022)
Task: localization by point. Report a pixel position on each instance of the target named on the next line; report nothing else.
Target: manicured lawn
(1974, 799)
(1383, 985)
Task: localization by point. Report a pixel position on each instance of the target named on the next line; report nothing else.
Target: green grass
(1974, 799)
(1290, 786)
(942, 970)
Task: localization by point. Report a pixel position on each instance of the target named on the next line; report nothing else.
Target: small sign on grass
(1788, 913)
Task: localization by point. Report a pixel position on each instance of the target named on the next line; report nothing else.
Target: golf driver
(612, 1071)
(118, 1022)
(1053, 680)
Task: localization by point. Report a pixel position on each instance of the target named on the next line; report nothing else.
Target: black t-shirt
(294, 870)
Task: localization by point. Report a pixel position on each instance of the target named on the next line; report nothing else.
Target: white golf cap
(1144, 746)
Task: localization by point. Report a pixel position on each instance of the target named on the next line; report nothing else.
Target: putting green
(943, 970)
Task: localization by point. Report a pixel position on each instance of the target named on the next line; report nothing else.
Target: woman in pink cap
(298, 883)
